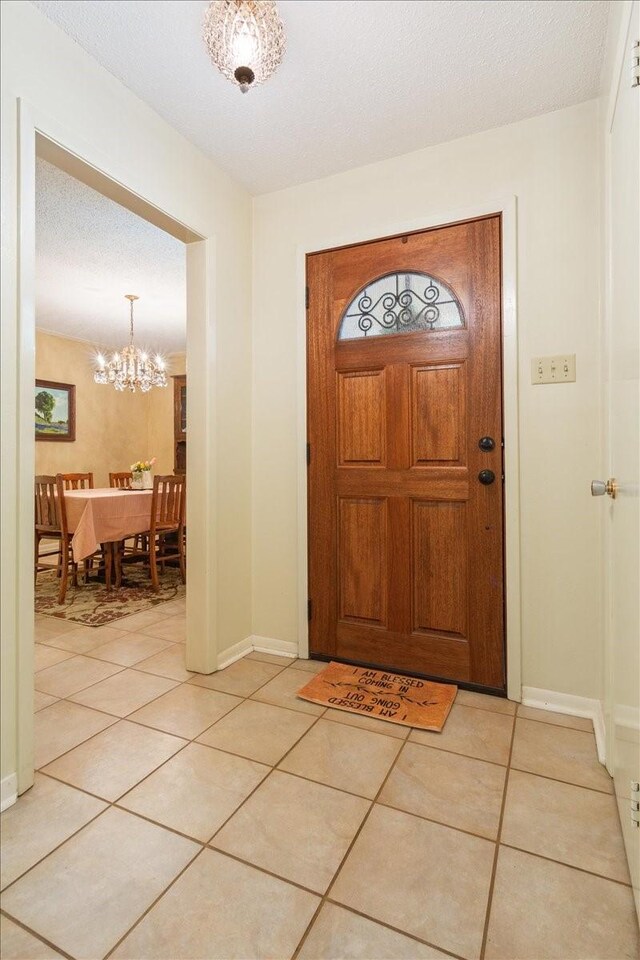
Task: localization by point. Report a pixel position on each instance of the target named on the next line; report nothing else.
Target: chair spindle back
(168, 503)
(77, 481)
(121, 481)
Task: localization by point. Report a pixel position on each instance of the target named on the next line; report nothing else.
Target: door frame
(36, 128)
(326, 239)
(610, 719)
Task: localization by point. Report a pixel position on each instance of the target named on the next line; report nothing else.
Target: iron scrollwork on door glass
(400, 303)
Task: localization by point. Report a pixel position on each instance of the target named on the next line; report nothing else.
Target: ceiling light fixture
(245, 39)
(131, 368)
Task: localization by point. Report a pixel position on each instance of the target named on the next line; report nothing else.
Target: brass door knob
(600, 487)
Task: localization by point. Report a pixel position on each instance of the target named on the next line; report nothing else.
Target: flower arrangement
(140, 465)
(141, 474)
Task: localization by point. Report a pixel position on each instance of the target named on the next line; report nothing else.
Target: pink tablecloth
(102, 515)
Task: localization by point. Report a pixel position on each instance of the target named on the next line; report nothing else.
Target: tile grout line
(350, 847)
(38, 936)
(87, 654)
(389, 926)
(119, 805)
(134, 666)
(274, 769)
(152, 905)
(309, 779)
(560, 726)
(264, 870)
(569, 783)
(72, 693)
(264, 780)
(496, 852)
(207, 845)
(61, 844)
(177, 684)
(355, 726)
(326, 897)
(116, 803)
(51, 640)
(118, 719)
(552, 723)
(117, 716)
(563, 863)
(454, 753)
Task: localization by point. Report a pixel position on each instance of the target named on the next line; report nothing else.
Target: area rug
(92, 605)
(385, 696)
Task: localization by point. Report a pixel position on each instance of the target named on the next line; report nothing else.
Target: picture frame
(51, 424)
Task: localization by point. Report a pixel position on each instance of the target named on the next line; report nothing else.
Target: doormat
(385, 696)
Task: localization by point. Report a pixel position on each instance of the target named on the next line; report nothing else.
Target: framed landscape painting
(55, 411)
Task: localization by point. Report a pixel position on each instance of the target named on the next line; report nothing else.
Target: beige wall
(94, 116)
(110, 426)
(550, 164)
(112, 429)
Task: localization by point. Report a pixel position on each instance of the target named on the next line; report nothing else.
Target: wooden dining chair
(51, 522)
(167, 517)
(121, 481)
(77, 481)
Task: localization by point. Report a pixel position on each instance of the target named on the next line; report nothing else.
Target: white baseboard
(236, 652)
(571, 705)
(626, 723)
(282, 648)
(8, 791)
(600, 731)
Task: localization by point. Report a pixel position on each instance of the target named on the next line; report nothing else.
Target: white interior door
(622, 524)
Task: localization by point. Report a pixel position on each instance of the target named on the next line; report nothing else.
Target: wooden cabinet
(180, 424)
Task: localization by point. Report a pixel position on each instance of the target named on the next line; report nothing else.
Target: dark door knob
(486, 477)
(486, 443)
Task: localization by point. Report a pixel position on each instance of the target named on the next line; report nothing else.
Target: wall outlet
(560, 369)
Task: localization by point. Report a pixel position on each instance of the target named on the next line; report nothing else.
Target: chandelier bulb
(131, 368)
(245, 39)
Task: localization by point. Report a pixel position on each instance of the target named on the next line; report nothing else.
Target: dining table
(104, 515)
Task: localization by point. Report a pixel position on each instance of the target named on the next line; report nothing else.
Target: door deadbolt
(486, 477)
(486, 443)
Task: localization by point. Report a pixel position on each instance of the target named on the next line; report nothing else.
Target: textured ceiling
(362, 80)
(90, 251)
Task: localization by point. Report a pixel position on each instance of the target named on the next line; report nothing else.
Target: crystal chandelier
(131, 367)
(245, 39)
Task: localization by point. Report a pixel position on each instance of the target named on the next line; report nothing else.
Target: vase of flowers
(142, 474)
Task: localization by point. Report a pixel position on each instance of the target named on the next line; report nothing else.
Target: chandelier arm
(131, 368)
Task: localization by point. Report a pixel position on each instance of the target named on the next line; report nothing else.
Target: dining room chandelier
(131, 368)
(245, 39)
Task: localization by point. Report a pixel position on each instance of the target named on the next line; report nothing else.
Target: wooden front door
(405, 454)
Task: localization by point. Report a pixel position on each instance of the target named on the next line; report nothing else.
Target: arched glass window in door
(400, 303)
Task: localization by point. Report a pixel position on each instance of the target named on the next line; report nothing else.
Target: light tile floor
(177, 816)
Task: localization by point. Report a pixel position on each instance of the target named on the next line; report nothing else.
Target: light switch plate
(560, 369)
